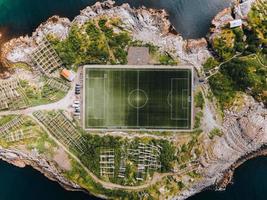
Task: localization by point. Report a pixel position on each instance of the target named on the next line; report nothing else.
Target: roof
(67, 74)
(235, 23)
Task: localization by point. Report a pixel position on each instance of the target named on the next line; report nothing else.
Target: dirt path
(217, 69)
(65, 104)
(157, 177)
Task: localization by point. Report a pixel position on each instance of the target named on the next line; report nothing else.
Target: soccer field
(137, 98)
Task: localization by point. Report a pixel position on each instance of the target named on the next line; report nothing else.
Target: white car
(75, 105)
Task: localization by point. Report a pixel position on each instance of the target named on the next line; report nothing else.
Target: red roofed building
(67, 74)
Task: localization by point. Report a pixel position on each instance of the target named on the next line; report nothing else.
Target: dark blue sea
(250, 183)
(192, 19)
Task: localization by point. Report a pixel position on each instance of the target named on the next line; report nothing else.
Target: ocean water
(190, 17)
(29, 184)
(250, 183)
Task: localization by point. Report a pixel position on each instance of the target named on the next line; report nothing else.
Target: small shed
(235, 23)
(67, 74)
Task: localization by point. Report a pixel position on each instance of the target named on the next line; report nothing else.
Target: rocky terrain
(245, 133)
(147, 25)
(244, 126)
(33, 159)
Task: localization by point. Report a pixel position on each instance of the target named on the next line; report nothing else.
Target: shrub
(199, 100)
(210, 64)
(166, 59)
(215, 132)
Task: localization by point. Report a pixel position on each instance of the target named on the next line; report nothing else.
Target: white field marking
(106, 76)
(185, 106)
(135, 128)
(152, 67)
(188, 96)
(137, 110)
(176, 118)
(104, 116)
(146, 67)
(84, 121)
(169, 98)
(91, 91)
(138, 90)
(94, 94)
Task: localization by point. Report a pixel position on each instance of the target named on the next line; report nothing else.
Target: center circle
(137, 98)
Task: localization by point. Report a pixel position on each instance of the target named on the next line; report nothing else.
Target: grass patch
(93, 43)
(210, 63)
(199, 100)
(5, 119)
(215, 132)
(39, 96)
(166, 59)
(198, 118)
(95, 143)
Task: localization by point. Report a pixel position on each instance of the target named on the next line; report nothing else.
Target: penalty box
(137, 97)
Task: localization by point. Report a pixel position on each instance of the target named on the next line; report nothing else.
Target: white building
(235, 23)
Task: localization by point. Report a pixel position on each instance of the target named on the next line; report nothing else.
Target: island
(117, 104)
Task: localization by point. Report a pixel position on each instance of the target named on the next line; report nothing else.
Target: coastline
(227, 179)
(194, 51)
(21, 160)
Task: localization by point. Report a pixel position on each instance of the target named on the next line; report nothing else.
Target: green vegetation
(39, 96)
(167, 155)
(153, 50)
(258, 21)
(244, 74)
(42, 142)
(117, 43)
(227, 44)
(199, 105)
(211, 63)
(223, 44)
(166, 59)
(93, 43)
(247, 72)
(181, 185)
(222, 88)
(21, 65)
(194, 174)
(158, 57)
(81, 177)
(32, 136)
(239, 44)
(215, 132)
(5, 119)
(94, 144)
(199, 100)
(187, 150)
(198, 118)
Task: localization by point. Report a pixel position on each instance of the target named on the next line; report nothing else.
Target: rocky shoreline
(245, 131)
(48, 169)
(147, 25)
(228, 176)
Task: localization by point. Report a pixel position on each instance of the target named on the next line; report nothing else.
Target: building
(235, 23)
(67, 74)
